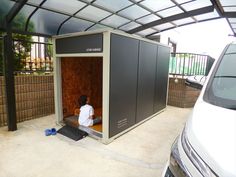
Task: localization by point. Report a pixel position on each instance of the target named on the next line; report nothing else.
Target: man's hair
(83, 100)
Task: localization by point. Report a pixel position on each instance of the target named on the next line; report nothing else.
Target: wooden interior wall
(81, 75)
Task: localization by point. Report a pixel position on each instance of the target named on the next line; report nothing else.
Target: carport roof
(141, 17)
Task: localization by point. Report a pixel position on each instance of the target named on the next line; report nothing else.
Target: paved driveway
(141, 152)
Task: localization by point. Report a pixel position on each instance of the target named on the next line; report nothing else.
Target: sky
(203, 38)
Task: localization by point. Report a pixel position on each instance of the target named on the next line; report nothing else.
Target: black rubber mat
(72, 133)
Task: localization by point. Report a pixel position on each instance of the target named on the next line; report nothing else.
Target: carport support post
(9, 81)
(9, 66)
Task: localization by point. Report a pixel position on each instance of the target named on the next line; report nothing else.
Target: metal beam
(218, 7)
(14, 10)
(9, 66)
(229, 14)
(9, 81)
(173, 18)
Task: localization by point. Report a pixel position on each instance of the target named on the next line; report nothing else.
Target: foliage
(22, 46)
(49, 48)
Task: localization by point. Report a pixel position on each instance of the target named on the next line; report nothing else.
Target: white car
(207, 145)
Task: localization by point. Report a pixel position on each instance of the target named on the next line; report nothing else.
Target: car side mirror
(196, 81)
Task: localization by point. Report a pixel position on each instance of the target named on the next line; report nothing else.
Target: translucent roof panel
(93, 13)
(75, 25)
(126, 15)
(146, 32)
(156, 5)
(182, 1)
(47, 22)
(230, 9)
(5, 6)
(68, 6)
(196, 4)
(228, 2)
(183, 21)
(98, 26)
(114, 5)
(210, 15)
(115, 21)
(19, 22)
(164, 26)
(134, 12)
(232, 20)
(148, 19)
(130, 26)
(36, 2)
(233, 25)
(170, 12)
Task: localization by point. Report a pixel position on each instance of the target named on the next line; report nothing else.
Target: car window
(227, 66)
(221, 89)
(231, 49)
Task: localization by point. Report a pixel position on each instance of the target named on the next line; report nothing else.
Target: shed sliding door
(123, 83)
(146, 80)
(163, 56)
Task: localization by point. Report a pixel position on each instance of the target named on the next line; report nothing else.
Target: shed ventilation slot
(121, 123)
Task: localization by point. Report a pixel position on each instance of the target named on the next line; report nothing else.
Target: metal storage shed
(134, 76)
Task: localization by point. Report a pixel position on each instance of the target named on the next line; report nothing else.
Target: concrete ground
(141, 152)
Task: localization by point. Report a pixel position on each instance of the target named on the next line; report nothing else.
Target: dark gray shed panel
(146, 80)
(163, 57)
(123, 83)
